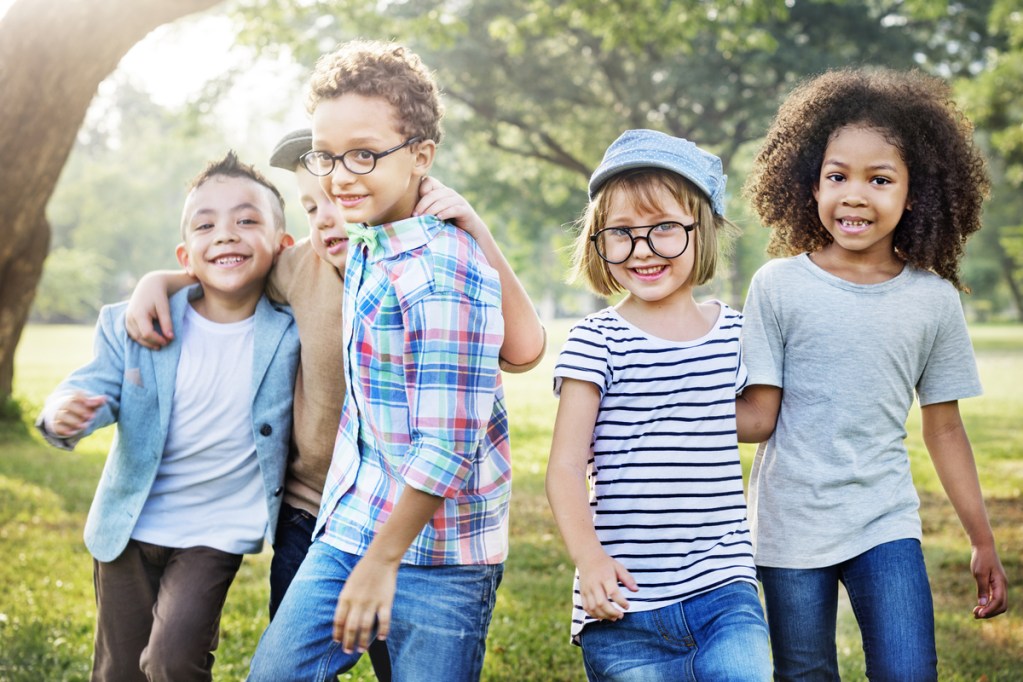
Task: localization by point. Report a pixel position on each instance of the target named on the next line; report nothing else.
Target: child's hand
(149, 303)
(445, 203)
(75, 414)
(992, 585)
(365, 602)
(599, 580)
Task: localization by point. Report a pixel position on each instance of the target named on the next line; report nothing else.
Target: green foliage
(72, 287)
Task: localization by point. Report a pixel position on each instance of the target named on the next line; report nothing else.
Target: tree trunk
(53, 56)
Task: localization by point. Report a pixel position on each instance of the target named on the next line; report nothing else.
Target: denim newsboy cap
(653, 149)
(292, 146)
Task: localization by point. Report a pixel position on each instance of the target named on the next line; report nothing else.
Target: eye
(834, 177)
(361, 155)
(667, 228)
(881, 181)
(619, 233)
(202, 226)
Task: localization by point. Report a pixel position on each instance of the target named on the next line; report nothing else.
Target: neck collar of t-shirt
(404, 235)
(835, 281)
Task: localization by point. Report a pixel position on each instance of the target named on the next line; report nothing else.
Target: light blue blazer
(139, 386)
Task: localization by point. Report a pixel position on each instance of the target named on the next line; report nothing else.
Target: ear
(183, 259)
(286, 241)
(816, 191)
(423, 154)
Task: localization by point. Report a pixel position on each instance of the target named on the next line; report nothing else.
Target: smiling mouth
(649, 270)
(335, 241)
(228, 260)
(857, 224)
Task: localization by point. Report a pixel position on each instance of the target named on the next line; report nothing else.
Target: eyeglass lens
(667, 240)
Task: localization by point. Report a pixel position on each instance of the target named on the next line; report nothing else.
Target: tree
(994, 100)
(537, 89)
(53, 55)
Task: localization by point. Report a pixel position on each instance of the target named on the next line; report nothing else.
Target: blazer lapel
(165, 361)
(270, 327)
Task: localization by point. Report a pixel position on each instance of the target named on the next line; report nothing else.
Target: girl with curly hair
(871, 184)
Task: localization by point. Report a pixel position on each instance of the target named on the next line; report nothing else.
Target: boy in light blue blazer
(195, 474)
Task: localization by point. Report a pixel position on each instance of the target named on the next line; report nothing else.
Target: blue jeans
(439, 622)
(291, 544)
(890, 597)
(718, 635)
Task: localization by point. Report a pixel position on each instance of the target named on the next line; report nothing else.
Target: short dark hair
(231, 167)
(948, 178)
(387, 70)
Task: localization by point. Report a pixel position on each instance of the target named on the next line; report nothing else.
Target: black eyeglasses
(667, 240)
(358, 161)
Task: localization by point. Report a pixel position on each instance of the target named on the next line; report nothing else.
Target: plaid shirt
(425, 407)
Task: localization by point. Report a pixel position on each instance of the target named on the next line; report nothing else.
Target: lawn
(47, 607)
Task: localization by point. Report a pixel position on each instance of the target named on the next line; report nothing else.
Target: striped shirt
(425, 407)
(665, 479)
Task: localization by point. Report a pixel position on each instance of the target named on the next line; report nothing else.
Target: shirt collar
(404, 235)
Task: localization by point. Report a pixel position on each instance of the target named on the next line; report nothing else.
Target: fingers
(992, 598)
(76, 414)
(605, 601)
(354, 626)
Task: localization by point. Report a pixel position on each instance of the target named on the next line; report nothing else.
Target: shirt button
(280, 489)
(266, 430)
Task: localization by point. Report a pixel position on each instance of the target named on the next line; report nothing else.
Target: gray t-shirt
(834, 480)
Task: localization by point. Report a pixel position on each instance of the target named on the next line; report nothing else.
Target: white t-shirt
(209, 489)
(834, 481)
(665, 478)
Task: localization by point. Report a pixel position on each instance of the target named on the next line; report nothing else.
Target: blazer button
(266, 430)
(280, 489)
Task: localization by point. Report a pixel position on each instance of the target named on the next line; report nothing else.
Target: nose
(225, 233)
(641, 246)
(854, 195)
(339, 177)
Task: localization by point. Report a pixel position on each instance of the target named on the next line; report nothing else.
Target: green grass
(47, 607)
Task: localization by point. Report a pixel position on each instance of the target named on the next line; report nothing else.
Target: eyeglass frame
(650, 245)
(334, 158)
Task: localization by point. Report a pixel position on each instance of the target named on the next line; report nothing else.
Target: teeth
(856, 223)
(228, 260)
(650, 270)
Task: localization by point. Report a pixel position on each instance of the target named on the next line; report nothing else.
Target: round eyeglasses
(667, 240)
(357, 161)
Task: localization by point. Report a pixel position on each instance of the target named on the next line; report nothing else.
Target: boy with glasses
(412, 531)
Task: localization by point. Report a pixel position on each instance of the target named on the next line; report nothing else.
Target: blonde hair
(638, 186)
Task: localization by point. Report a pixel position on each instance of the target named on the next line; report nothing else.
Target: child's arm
(369, 591)
(150, 302)
(756, 412)
(599, 574)
(949, 448)
(524, 337)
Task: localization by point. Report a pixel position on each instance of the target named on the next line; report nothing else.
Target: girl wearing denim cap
(665, 585)
(871, 184)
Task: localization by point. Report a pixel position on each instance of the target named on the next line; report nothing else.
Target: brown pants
(158, 612)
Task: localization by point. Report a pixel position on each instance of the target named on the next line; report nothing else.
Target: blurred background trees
(535, 90)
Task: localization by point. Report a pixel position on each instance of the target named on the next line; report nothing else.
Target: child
(310, 277)
(420, 476)
(871, 184)
(647, 415)
(194, 476)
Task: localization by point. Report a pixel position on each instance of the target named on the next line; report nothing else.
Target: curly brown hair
(948, 178)
(381, 69)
